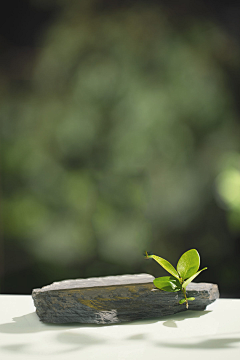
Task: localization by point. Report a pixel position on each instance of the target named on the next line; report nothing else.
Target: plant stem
(185, 296)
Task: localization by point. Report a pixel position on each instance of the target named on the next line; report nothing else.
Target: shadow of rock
(30, 323)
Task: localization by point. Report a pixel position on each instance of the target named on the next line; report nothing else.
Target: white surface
(210, 334)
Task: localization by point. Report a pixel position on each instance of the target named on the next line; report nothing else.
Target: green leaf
(167, 283)
(166, 265)
(188, 264)
(182, 301)
(185, 284)
(189, 299)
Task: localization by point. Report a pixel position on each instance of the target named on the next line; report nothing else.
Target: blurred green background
(120, 133)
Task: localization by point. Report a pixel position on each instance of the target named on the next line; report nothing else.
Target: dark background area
(120, 133)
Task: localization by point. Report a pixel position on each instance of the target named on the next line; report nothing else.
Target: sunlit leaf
(191, 298)
(167, 283)
(182, 301)
(188, 264)
(166, 265)
(185, 284)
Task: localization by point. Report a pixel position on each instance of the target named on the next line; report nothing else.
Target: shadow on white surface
(172, 320)
(30, 323)
(207, 344)
(70, 342)
(137, 337)
(18, 348)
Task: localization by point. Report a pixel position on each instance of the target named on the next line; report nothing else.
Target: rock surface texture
(115, 299)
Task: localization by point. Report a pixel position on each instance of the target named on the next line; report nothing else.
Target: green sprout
(187, 270)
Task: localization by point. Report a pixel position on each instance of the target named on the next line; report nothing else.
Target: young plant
(187, 270)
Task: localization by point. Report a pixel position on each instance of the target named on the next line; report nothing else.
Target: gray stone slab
(115, 299)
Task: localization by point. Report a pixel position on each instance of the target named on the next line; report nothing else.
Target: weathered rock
(115, 299)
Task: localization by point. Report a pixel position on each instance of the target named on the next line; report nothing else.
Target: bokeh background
(120, 133)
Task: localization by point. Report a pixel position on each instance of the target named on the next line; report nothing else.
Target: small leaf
(188, 264)
(191, 298)
(185, 284)
(167, 283)
(182, 301)
(166, 265)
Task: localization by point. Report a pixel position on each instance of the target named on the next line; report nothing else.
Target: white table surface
(192, 335)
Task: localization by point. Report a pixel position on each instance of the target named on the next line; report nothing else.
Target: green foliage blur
(125, 137)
